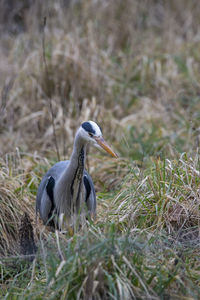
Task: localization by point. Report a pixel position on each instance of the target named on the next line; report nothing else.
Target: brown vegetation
(132, 66)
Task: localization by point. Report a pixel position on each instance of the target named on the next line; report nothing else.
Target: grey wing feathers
(43, 201)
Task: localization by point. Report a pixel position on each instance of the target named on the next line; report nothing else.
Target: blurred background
(132, 66)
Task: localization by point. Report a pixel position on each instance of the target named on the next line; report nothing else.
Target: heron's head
(92, 134)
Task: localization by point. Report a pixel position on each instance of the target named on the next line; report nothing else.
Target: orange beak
(105, 146)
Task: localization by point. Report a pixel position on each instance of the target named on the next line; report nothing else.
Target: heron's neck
(77, 160)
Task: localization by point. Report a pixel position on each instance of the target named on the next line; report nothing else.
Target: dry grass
(18, 182)
(95, 72)
(133, 67)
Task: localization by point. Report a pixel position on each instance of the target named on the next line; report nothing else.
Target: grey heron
(67, 188)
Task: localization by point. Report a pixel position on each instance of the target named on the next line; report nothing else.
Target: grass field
(133, 67)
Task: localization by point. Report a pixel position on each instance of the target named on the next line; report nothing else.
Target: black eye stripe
(90, 134)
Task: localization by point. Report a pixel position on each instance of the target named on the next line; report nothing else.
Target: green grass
(106, 265)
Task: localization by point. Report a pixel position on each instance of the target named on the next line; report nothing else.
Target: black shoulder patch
(49, 188)
(87, 187)
(88, 127)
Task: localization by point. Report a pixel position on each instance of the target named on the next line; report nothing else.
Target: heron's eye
(90, 134)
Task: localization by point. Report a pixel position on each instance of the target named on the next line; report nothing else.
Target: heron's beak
(105, 146)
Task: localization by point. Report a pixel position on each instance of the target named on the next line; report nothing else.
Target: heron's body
(67, 189)
(45, 203)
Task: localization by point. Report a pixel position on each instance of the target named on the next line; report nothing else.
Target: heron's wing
(90, 193)
(44, 201)
(47, 200)
(54, 172)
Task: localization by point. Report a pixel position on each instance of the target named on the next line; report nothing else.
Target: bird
(67, 191)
